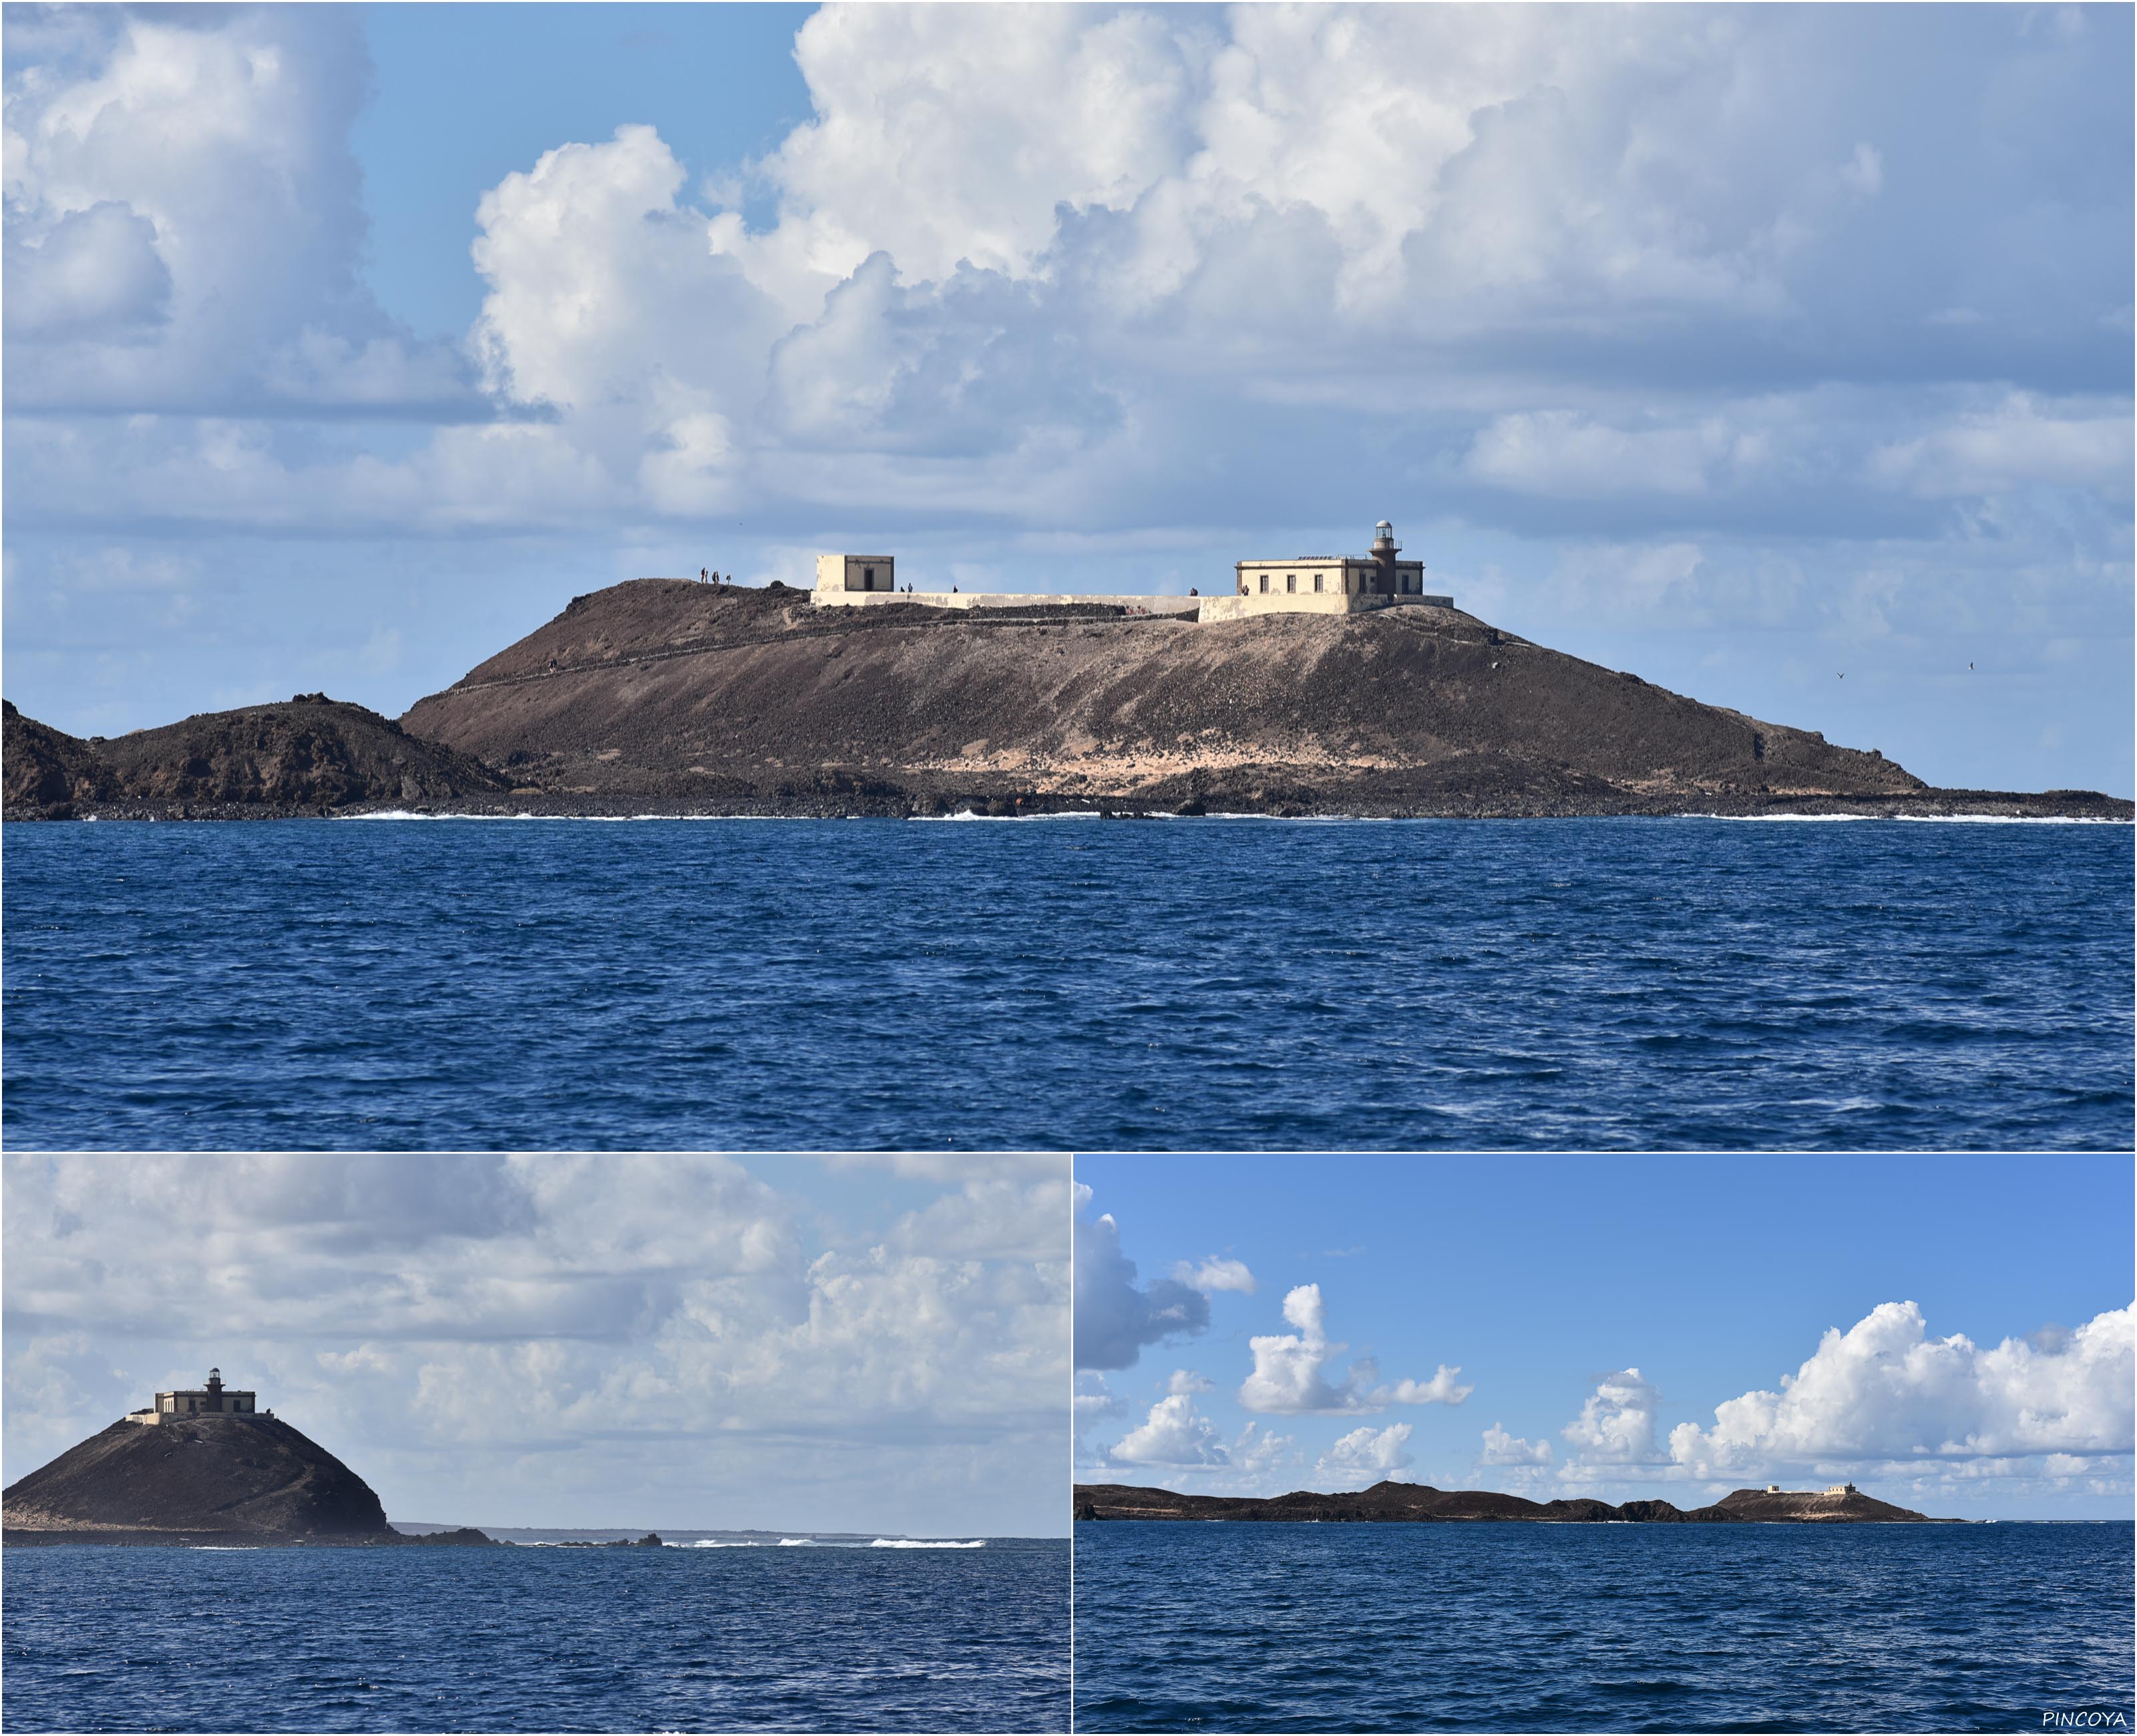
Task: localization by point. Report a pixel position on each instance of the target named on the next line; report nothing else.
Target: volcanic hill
(658, 695)
(298, 756)
(1399, 1503)
(236, 1479)
(678, 695)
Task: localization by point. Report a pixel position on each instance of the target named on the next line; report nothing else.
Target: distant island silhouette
(666, 696)
(1400, 1503)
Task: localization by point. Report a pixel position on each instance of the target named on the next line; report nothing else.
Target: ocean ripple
(1077, 985)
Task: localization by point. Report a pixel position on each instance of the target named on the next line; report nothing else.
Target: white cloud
(1186, 1380)
(1864, 172)
(996, 233)
(1563, 454)
(1215, 1274)
(1443, 1389)
(1368, 1454)
(1289, 1377)
(1175, 1433)
(1884, 1389)
(184, 222)
(943, 135)
(1617, 1423)
(1207, 272)
(1501, 1448)
(1115, 1317)
(1258, 1451)
(95, 270)
(1093, 1402)
(2021, 441)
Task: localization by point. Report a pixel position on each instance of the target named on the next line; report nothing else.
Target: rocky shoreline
(902, 803)
(659, 698)
(466, 1536)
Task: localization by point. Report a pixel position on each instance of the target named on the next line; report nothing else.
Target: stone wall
(1007, 599)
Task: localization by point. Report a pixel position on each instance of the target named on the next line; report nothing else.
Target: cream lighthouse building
(1335, 584)
(215, 1399)
(1303, 585)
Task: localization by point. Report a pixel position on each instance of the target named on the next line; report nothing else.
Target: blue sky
(1782, 355)
(1605, 1309)
(688, 1343)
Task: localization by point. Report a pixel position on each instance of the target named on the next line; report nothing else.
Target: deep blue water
(1068, 984)
(1264, 1626)
(533, 1639)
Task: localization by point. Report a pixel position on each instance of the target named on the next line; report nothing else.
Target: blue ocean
(537, 1639)
(1486, 1626)
(1069, 983)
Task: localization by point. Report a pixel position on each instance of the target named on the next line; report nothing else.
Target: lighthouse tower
(1384, 551)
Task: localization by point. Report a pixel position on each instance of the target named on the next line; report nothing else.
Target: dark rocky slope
(250, 1478)
(1412, 1502)
(659, 692)
(43, 771)
(299, 757)
(658, 695)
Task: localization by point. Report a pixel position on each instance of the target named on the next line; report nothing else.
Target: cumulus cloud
(1617, 1423)
(1174, 1433)
(1368, 1454)
(1115, 1316)
(1291, 1374)
(1165, 282)
(1186, 1380)
(1214, 1274)
(184, 221)
(687, 1330)
(1258, 1451)
(1443, 1389)
(1501, 1448)
(996, 232)
(1884, 1389)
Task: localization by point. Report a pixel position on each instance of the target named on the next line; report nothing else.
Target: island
(202, 1465)
(1413, 1502)
(1345, 689)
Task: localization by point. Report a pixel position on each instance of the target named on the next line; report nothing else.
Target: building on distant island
(1304, 585)
(1840, 1489)
(1335, 584)
(1772, 1488)
(212, 1400)
(856, 572)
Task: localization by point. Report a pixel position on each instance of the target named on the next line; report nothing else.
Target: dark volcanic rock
(250, 1478)
(301, 757)
(1791, 1508)
(687, 697)
(1416, 1502)
(466, 1536)
(41, 768)
(663, 696)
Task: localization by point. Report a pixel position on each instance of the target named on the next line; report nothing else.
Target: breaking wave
(912, 1543)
